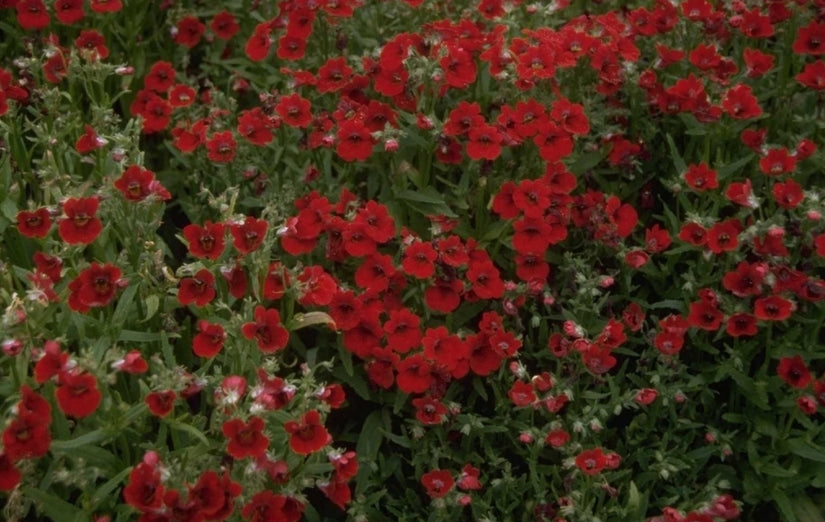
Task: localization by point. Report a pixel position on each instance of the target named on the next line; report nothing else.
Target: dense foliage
(412, 260)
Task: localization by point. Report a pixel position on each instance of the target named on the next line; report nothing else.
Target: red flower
(249, 235)
(403, 330)
(419, 260)
(266, 506)
(414, 374)
(32, 14)
(92, 45)
(794, 372)
(160, 78)
(9, 474)
(429, 410)
(77, 394)
(810, 39)
(221, 147)
(570, 116)
(693, 233)
(522, 394)
(246, 439)
(25, 437)
(161, 403)
(209, 340)
(224, 25)
(89, 141)
(156, 114)
(554, 143)
(309, 435)
(294, 110)
(337, 491)
(205, 242)
(354, 141)
(145, 490)
(35, 223)
(773, 308)
(646, 396)
(267, 330)
(741, 324)
(484, 142)
(591, 462)
(813, 75)
(291, 47)
(133, 363)
(181, 95)
(106, 6)
(724, 236)
(557, 438)
(333, 75)
(375, 272)
(80, 226)
(198, 290)
(137, 183)
(705, 315)
(68, 11)
(275, 281)
(444, 295)
(464, 117)
(701, 177)
(740, 103)
(259, 44)
(318, 286)
(485, 279)
(94, 287)
(757, 62)
(437, 483)
(188, 32)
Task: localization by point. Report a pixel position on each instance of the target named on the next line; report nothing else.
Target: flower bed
(412, 260)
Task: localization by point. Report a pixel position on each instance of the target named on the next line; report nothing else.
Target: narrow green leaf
(134, 336)
(92, 438)
(188, 428)
(55, 508)
(105, 490)
(806, 450)
(124, 305)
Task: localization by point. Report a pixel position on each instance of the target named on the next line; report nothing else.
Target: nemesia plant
(412, 260)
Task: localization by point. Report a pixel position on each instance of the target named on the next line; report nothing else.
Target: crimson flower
(94, 287)
(32, 14)
(36, 223)
(591, 462)
(266, 506)
(106, 6)
(198, 290)
(810, 39)
(437, 483)
(145, 490)
(68, 12)
(794, 372)
(224, 25)
(813, 75)
(429, 410)
(160, 78)
(26, 436)
(701, 177)
(77, 394)
(741, 324)
(9, 474)
(259, 43)
(246, 439)
(137, 183)
(80, 226)
(354, 141)
(740, 103)
(221, 147)
(189, 31)
(89, 141)
(267, 330)
(294, 110)
(92, 45)
(209, 340)
(161, 403)
(309, 435)
(205, 242)
(133, 363)
(773, 308)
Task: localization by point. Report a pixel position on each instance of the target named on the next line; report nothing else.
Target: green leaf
(92, 438)
(369, 442)
(427, 201)
(152, 305)
(784, 505)
(188, 428)
(678, 162)
(124, 305)
(134, 336)
(105, 490)
(805, 509)
(57, 509)
(806, 450)
(587, 161)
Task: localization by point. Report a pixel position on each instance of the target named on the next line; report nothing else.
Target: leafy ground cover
(412, 260)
